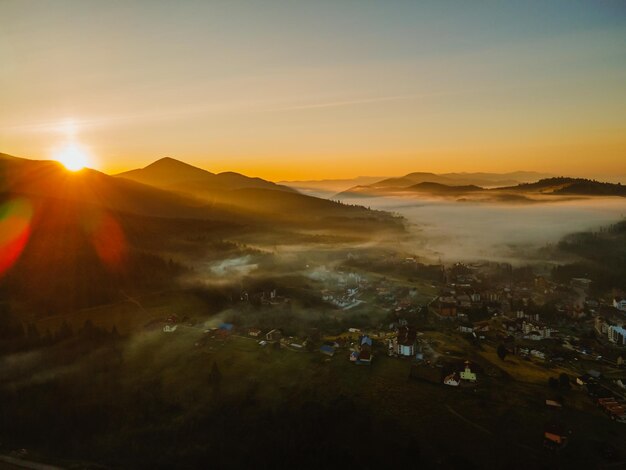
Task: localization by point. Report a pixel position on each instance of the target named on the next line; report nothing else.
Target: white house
(452, 380)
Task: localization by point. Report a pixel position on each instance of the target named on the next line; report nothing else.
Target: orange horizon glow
(318, 90)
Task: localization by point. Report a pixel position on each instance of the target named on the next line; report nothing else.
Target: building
(405, 341)
(619, 304)
(601, 326)
(554, 437)
(535, 331)
(254, 332)
(453, 380)
(363, 354)
(446, 307)
(617, 335)
(467, 374)
(274, 335)
(225, 329)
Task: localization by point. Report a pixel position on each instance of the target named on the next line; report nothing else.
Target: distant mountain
(537, 191)
(248, 205)
(403, 183)
(80, 239)
(496, 179)
(49, 179)
(252, 196)
(169, 173)
(328, 187)
(438, 188)
(570, 186)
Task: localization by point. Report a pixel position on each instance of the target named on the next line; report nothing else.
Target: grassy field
(131, 315)
(473, 424)
(153, 386)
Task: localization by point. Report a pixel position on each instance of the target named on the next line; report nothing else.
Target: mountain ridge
(170, 173)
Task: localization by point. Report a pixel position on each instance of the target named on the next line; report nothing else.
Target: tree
(502, 352)
(564, 380)
(215, 378)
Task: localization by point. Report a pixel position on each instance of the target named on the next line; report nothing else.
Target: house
(274, 335)
(467, 374)
(446, 307)
(554, 437)
(535, 331)
(553, 404)
(584, 379)
(620, 304)
(601, 325)
(452, 380)
(464, 301)
(617, 335)
(363, 355)
(328, 350)
(405, 341)
(466, 328)
(481, 327)
(538, 354)
(225, 329)
(254, 332)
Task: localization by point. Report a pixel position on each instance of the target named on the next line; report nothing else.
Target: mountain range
(72, 240)
(173, 189)
(465, 186)
(329, 187)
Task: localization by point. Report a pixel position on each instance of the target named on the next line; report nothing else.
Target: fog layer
(468, 231)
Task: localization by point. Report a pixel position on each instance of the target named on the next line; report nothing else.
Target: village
(474, 330)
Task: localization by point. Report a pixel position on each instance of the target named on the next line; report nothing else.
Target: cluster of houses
(527, 327)
(345, 299)
(361, 353)
(264, 297)
(345, 289)
(609, 402)
(455, 379)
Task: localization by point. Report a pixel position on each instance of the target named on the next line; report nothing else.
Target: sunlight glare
(73, 157)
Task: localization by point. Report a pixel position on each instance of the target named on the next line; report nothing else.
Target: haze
(305, 90)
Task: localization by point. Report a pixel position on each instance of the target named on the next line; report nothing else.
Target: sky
(324, 89)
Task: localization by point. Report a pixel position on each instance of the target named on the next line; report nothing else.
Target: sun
(73, 157)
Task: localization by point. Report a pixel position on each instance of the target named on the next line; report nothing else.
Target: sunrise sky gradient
(320, 89)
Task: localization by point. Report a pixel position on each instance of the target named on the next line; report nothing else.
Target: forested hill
(601, 257)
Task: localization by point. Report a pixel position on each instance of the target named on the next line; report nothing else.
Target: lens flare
(15, 229)
(108, 239)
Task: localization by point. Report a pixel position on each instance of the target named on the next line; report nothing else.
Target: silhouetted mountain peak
(170, 163)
